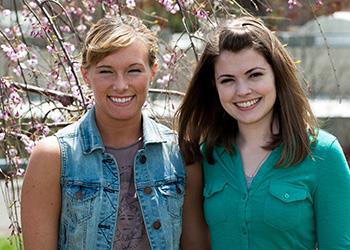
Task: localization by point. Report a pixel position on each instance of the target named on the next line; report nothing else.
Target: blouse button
(286, 196)
(156, 224)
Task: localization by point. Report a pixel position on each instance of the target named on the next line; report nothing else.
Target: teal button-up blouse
(299, 207)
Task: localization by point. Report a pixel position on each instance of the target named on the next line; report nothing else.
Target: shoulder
(325, 143)
(48, 145)
(46, 151)
(44, 161)
(324, 139)
(328, 153)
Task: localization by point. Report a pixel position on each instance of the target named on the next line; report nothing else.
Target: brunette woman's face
(120, 82)
(246, 86)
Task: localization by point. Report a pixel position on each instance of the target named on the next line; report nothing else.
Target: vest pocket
(78, 201)
(283, 204)
(174, 194)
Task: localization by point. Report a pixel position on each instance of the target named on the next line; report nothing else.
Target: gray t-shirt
(131, 232)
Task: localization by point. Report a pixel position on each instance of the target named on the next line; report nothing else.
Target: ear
(85, 74)
(154, 70)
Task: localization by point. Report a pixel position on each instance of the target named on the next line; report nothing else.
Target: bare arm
(195, 233)
(41, 197)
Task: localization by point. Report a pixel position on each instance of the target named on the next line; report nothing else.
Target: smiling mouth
(121, 100)
(247, 104)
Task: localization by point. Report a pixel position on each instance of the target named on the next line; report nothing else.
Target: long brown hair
(201, 118)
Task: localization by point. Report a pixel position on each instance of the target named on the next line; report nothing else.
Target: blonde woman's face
(120, 83)
(246, 86)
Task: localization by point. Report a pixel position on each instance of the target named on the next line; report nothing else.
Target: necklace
(258, 166)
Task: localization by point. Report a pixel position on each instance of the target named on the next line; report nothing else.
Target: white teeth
(247, 103)
(121, 100)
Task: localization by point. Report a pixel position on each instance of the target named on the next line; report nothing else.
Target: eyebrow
(109, 66)
(103, 66)
(246, 73)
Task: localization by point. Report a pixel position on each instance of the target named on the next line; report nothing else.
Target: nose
(243, 89)
(120, 84)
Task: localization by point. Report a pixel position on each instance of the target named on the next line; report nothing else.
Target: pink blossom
(12, 152)
(37, 30)
(186, 3)
(28, 143)
(65, 28)
(5, 115)
(6, 12)
(164, 80)
(4, 84)
(46, 130)
(170, 6)
(201, 14)
(292, 3)
(81, 28)
(20, 172)
(50, 49)
(130, 4)
(15, 98)
(54, 75)
(8, 51)
(33, 5)
(17, 70)
(69, 47)
(115, 9)
(2, 136)
(8, 32)
(79, 11)
(33, 60)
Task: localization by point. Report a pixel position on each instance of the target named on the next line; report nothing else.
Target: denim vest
(90, 186)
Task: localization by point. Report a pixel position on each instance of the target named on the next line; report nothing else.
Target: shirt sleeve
(332, 201)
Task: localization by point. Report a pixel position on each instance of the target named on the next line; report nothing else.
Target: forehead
(240, 60)
(136, 52)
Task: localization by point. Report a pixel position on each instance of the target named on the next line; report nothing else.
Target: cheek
(225, 94)
(142, 84)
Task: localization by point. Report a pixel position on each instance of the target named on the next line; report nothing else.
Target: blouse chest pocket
(284, 205)
(78, 201)
(215, 202)
(174, 195)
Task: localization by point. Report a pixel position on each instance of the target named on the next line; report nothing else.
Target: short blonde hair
(112, 33)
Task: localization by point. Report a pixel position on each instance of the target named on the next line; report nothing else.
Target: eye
(226, 81)
(256, 74)
(135, 71)
(105, 71)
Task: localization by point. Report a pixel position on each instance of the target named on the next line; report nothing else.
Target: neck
(120, 133)
(255, 135)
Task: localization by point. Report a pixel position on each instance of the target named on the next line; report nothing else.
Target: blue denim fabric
(90, 186)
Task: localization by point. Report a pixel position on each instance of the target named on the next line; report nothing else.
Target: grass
(6, 245)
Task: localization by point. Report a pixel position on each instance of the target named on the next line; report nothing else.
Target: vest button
(156, 224)
(143, 159)
(147, 190)
(79, 195)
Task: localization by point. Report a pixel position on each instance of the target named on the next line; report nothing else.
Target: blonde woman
(114, 179)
